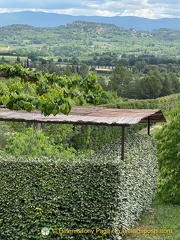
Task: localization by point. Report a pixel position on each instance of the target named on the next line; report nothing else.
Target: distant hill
(41, 19)
(81, 38)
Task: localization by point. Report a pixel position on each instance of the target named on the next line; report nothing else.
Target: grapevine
(54, 93)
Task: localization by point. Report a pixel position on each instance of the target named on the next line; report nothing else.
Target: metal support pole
(149, 121)
(122, 143)
(39, 127)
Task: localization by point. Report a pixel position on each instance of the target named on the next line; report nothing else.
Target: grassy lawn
(164, 218)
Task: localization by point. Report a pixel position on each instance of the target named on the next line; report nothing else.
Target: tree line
(152, 85)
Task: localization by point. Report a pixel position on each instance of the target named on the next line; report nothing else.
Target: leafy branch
(54, 93)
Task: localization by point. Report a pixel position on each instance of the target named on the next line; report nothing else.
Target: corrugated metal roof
(87, 115)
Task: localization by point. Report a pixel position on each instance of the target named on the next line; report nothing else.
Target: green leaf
(28, 106)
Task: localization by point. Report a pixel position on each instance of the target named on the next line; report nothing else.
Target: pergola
(89, 116)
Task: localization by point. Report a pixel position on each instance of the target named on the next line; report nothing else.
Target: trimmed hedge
(97, 192)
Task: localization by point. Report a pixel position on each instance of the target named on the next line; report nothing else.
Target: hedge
(96, 192)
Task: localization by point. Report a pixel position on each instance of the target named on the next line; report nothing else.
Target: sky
(153, 9)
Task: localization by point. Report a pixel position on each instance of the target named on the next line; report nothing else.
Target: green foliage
(81, 139)
(4, 129)
(99, 191)
(101, 135)
(54, 94)
(121, 78)
(83, 38)
(83, 70)
(58, 134)
(29, 141)
(151, 85)
(108, 97)
(156, 84)
(168, 142)
(166, 104)
(3, 87)
(165, 34)
(32, 143)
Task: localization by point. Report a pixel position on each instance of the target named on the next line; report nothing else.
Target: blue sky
(141, 8)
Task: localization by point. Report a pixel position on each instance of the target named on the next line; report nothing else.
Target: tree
(171, 84)
(167, 86)
(175, 82)
(54, 93)
(95, 58)
(33, 56)
(140, 65)
(75, 61)
(3, 59)
(121, 78)
(151, 85)
(83, 70)
(168, 143)
(104, 61)
(18, 60)
(60, 60)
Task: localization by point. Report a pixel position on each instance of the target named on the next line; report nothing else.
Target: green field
(13, 59)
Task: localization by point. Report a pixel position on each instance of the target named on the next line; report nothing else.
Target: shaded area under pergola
(89, 116)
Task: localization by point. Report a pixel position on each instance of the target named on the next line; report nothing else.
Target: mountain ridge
(41, 19)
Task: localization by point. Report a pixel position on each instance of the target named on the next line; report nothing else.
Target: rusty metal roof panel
(87, 115)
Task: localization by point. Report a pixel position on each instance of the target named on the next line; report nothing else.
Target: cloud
(69, 11)
(140, 8)
(172, 2)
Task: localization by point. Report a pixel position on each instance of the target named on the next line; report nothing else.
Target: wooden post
(149, 121)
(122, 142)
